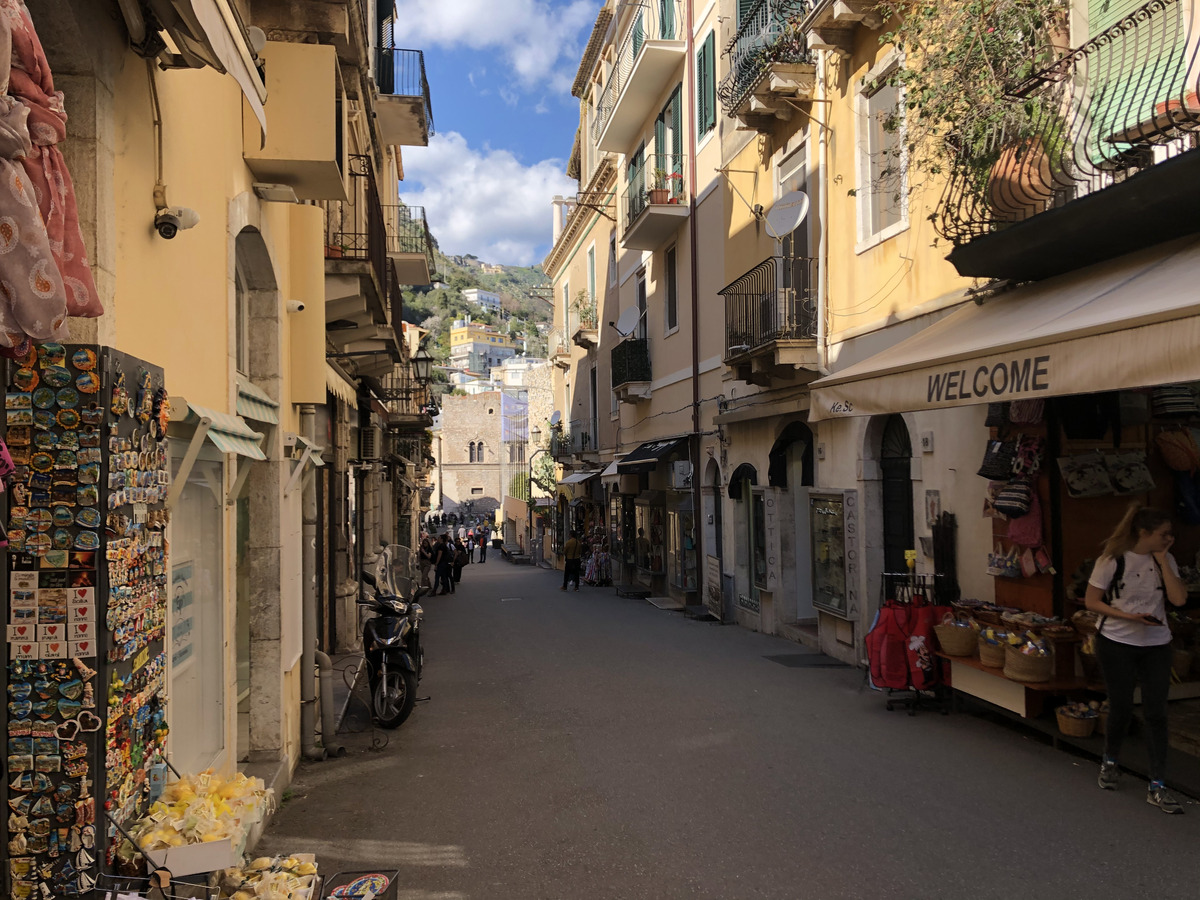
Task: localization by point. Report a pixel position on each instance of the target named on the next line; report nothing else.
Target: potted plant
(660, 192)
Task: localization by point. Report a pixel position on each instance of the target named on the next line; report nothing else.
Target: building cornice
(604, 179)
(592, 52)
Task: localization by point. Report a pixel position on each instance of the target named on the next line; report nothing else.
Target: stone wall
(465, 420)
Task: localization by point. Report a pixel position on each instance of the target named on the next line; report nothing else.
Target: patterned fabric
(44, 271)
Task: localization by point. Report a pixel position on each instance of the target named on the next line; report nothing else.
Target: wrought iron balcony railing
(769, 33)
(654, 20)
(658, 180)
(1121, 104)
(631, 362)
(558, 344)
(355, 228)
(408, 232)
(401, 73)
(774, 301)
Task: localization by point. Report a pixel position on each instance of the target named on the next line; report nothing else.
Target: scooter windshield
(394, 570)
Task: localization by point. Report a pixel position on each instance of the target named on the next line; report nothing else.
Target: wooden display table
(1026, 699)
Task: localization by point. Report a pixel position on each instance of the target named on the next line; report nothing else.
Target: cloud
(485, 202)
(540, 40)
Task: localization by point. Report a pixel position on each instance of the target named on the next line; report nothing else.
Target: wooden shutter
(708, 84)
(675, 105)
(666, 20)
(743, 9)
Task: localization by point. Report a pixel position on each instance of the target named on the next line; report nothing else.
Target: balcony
(407, 404)
(559, 348)
(585, 332)
(771, 321)
(303, 146)
(1098, 156)
(404, 109)
(830, 24)
(653, 48)
(409, 246)
(654, 203)
(560, 444)
(362, 294)
(770, 65)
(631, 370)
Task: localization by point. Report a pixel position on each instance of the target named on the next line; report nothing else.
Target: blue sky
(500, 77)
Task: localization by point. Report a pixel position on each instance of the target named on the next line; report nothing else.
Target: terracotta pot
(333, 252)
(1021, 182)
(659, 195)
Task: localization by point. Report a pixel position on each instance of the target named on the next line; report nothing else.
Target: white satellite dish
(786, 215)
(627, 321)
(555, 419)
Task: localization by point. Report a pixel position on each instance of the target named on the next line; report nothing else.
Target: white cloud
(485, 202)
(540, 40)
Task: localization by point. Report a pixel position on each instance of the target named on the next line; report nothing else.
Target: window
(882, 161)
(668, 146)
(471, 452)
(479, 452)
(591, 273)
(672, 291)
(640, 331)
(706, 87)
(612, 257)
(566, 305)
(477, 490)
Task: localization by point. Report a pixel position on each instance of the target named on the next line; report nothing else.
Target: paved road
(585, 746)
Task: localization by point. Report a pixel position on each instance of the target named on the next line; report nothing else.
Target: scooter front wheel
(393, 698)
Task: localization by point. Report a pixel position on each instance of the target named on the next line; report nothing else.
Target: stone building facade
(468, 448)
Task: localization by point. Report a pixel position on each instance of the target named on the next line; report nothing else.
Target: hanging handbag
(998, 460)
(997, 415)
(1015, 499)
(1178, 450)
(1027, 412)
(1028, 458)
(1026, 530)
(1173, 400)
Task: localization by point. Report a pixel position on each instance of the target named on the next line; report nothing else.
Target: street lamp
(422, 363)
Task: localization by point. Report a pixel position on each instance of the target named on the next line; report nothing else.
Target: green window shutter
(666, 19)
(743, 9)
(708, 84)
(701, 89)
(676, 107)
(639, 34)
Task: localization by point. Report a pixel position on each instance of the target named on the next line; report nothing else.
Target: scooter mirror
(369, 579)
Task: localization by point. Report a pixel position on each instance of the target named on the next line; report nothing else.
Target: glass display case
(681, 546)
(834, 516)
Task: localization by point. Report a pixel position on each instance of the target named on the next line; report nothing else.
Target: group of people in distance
(445, 555)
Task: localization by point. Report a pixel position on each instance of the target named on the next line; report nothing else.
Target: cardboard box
(192, 859)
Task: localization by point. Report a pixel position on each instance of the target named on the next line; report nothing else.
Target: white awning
(340, 387)
(255, 404)
(610, 472)
(579, 477)
(1132, 322)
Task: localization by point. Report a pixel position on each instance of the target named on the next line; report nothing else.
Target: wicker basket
(956, 640)
(991, 654)
(1072, 726)
(1019, 667)
(987, 616)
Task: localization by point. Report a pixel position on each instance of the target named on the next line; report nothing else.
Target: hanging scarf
(31, 82)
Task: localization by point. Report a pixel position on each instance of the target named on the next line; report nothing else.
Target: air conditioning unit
(370, 443)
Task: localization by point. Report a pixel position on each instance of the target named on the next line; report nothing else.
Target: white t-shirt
(1141, 592)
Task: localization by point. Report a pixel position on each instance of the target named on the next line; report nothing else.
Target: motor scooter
(392, 636)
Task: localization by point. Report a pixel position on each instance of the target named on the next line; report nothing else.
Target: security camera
(170, 220)
(295, 306)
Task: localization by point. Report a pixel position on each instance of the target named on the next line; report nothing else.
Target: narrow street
(588, 746)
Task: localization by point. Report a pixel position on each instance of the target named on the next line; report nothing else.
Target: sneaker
(1109, 773)
(577, 589)
(1164, 801)
(563, 588)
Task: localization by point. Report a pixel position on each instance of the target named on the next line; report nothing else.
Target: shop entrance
(791, 470)
(895, 464)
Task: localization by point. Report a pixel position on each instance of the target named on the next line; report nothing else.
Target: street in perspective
(743, 448)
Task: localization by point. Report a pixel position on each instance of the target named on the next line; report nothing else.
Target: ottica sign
(1018, 376)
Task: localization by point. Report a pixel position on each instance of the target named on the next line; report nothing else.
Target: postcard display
(86, 579)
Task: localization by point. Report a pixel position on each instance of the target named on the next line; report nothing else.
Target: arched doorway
(895, 463)
(714, 546)
(791, 470)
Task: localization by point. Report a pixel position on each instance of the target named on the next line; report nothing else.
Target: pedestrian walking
(425, 560)
(1129, 587)
(483, 542)
(470, 547)
(443, 556)
(460, 560)
(572, 550)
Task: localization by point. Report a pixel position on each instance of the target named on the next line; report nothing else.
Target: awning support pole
(291, 485)
(188, 461)
(244, 464)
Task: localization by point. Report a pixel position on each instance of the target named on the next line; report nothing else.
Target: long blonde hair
(1136, 520)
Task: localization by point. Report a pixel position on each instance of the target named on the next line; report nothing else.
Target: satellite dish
(628, 321)
(555, 419)
(787, 214)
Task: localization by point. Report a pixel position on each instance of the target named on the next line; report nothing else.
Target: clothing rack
(934, 589)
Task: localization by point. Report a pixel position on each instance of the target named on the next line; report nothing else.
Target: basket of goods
(987, 614)
(992, 644)
(1077, 719)
(1057, 631)
(957, 637)
(279, 878)
(1029, 661)
(1089, 661)
(1085, 621)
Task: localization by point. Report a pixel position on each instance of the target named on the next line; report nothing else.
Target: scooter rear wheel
(393, 698)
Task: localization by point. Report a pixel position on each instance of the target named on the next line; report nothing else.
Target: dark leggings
(571, 572)
(1125, 667)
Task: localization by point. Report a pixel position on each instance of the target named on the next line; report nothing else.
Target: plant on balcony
(666, 186)
(962, 64)
(584, 308)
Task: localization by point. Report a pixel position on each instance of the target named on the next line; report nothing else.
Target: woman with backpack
(1130, 586)
(460, 559)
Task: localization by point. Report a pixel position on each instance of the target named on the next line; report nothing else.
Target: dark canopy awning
(647, 456)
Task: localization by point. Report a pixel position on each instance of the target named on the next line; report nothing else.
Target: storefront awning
(579, 477)
(1132, 322)
(253, 403)
(647, 456)
(340, 387)
(229, 434)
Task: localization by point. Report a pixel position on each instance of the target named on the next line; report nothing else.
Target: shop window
(651, 537)
(195, 618)
(758, 541)
(681, 547)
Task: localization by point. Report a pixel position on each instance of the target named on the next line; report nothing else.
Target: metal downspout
(694, 443)
(308, 588)
(822, 182)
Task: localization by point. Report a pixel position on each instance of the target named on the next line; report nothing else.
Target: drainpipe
(308, 588)
(328, 716)
(694, 443)
(822, 181)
